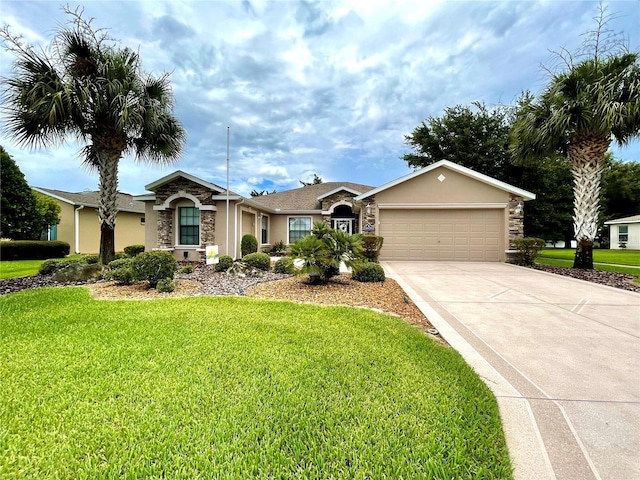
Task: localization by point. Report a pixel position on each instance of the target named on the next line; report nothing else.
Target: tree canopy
(86, 87)
(592, 101)
(316, 180)
(18, 206)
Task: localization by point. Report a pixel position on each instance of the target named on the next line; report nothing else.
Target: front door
(344, 224)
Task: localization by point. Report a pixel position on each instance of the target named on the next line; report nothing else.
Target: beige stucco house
(440, 212)
(79, 224)
(624, 231)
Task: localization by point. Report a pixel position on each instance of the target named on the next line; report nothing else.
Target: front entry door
(344, 224)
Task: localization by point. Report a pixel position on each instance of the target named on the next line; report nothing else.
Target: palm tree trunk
(587, 159)
(107, 208)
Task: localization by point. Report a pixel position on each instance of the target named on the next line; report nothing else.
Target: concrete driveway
(561, 355)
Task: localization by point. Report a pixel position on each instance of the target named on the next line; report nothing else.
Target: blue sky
(327, 87)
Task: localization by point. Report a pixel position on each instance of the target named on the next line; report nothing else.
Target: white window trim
(176, 223)
(298, 216)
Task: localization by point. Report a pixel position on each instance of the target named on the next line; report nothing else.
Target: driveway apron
(561, 355)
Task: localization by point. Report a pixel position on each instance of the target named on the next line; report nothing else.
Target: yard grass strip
(629, 270)
(600, 256)
(230, 387)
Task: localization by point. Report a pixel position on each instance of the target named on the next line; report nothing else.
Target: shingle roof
(124, 201)
(305, 198)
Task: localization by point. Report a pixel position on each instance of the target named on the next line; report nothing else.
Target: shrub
(284, 265)
(187, 269)
(166, 285)
(120, 263)
(134, 250)
(528, 250)
(91, 259)
(154, 266)
(258, 260)
(248, 244)
(49, 267)
(120, 255)
(279, 247)
(371, 245)
(369, 272)
(225, 262)
(320, 229)
(123, 275)
(33, 250)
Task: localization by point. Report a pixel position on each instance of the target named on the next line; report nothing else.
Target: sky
(326, 87)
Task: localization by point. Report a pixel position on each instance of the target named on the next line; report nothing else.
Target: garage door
(464, 235)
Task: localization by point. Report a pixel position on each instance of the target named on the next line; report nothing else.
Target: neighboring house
(79, 224)
(440, 212)
(624, 231)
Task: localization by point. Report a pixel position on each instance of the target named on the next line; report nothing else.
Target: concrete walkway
(561, 355)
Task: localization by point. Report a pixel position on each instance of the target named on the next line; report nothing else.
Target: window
(623, 233)
(189, 226)
(264, 225)
(141, 220)
(299, 227)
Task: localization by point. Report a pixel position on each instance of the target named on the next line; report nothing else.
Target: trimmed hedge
(248, 244)
(371, 245)
(258, 260)
(49, 267)
(284, 265)
(33, 250)
(225, 262)
(154, 266)
(133, 250)
(369, 272)
(528, 250)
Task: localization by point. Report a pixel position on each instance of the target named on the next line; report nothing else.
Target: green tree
(316, 180)
(17, 204)
(620, 194)
(47, 212)
(592, 101)
(256, 193)
(476, 138)
(90, 89)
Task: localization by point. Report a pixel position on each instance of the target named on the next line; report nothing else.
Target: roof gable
(455, 167)
(180, 174)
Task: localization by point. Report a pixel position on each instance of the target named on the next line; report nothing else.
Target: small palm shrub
(258, 260)
(248, 244)
(284, 265)
(166, 285)
(320, 229)
(225, 262)
(369, 272)
(154, 266)
(134, 250)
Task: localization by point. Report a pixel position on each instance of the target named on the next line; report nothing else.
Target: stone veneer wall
(516, 223)
(369, 219)
(327, 202)
(166, 236)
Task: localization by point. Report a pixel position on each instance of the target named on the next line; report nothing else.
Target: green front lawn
(619, 257)
(232, 387)
(19, 268)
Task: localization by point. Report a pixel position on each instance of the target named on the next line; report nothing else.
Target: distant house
(624, 231)
(440, 212)
(79, 224)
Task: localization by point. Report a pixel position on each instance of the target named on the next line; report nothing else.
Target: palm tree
(580, 113)
(89, 89)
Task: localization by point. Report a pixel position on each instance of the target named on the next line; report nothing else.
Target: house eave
(339, 189)
(457, 168)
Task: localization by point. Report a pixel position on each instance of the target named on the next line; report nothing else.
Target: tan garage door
(465, 235)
